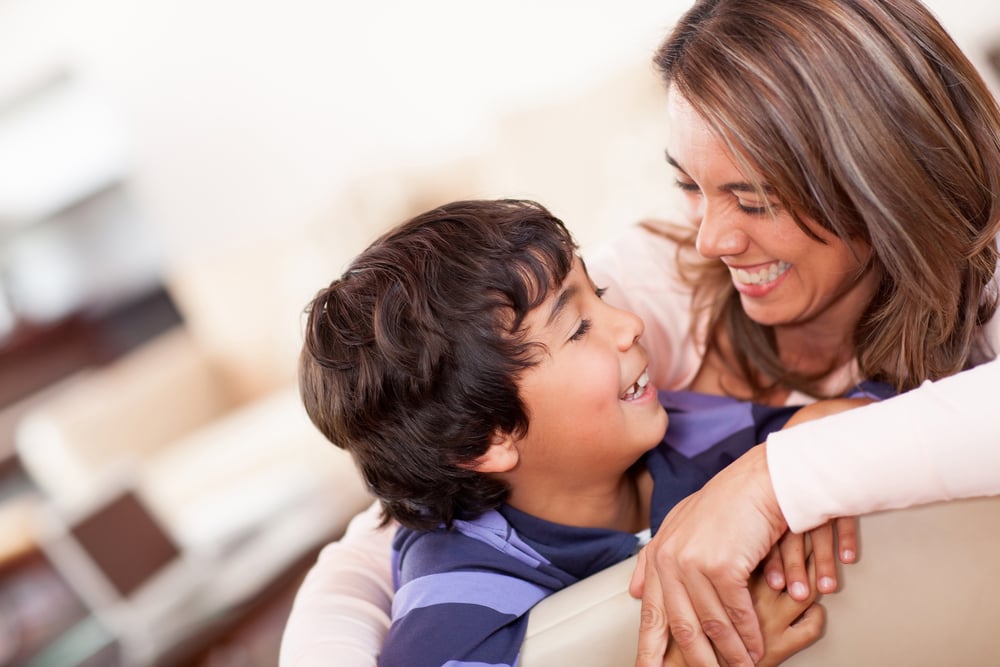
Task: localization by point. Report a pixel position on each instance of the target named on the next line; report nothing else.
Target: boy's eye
(581, 330)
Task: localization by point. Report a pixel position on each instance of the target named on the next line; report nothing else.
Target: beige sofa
(926, 593)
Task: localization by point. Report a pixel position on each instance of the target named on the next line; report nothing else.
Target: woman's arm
(937, 442)
(341, 611)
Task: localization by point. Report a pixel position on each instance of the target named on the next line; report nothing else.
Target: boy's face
(591, 410)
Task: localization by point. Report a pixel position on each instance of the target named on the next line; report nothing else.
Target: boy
(501, 412)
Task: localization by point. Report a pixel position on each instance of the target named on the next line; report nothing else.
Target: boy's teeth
(639, 388)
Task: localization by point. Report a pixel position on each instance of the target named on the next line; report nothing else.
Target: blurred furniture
(157, 450)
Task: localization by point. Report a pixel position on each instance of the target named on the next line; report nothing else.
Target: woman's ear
(501, 456)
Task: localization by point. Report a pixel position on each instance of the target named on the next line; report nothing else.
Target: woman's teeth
(638, 389)
(765, 275)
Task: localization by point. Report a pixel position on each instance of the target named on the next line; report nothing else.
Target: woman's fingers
(793, 558)
(824, 553)
(774, 570)
(847, 539)
(694, 580)
(654, 632)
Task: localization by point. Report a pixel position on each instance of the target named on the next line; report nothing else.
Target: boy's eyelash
(686, 187)
(586, 323)
(582, 330)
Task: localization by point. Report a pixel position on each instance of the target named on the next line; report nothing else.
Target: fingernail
(754, 657)
(775, 580)
(799, 590)
(847, 555)
(827, 584)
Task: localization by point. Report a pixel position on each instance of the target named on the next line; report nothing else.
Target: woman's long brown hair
(866, 117)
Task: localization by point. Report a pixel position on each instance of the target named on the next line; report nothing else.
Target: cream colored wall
(270, 140)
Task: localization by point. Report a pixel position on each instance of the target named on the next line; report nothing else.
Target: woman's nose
(719, 235)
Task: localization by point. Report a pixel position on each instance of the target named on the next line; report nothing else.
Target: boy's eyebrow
(740, 186)
(561, 302)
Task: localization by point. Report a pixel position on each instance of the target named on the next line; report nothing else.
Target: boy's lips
(638, 388)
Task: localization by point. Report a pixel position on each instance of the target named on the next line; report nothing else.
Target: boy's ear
(500, 457)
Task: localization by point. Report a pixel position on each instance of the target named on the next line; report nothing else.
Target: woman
(862, 125)
(839, 160)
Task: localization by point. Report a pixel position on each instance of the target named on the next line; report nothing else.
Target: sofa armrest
(110, 417)
(592, 622)
(925, 592)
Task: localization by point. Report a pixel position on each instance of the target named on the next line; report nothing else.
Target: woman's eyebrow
(736, 186)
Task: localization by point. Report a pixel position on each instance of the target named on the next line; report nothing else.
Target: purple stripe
(692, 433)
(493, 529)
(502, 593)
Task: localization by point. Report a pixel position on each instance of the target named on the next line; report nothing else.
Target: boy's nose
(630, 328)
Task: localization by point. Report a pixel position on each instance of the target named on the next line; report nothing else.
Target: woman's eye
(600, 292)
(581, 331)
(752, 210)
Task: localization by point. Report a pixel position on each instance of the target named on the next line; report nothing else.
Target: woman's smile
(759, 280)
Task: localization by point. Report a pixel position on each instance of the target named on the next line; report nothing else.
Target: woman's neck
(809, 349)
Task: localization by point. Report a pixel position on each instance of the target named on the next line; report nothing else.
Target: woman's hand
(693, 582)
(785, 565)
(788, 625)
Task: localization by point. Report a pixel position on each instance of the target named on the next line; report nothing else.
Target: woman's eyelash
(600, 292)
(582, 330)
(693, 188)
(753, 210)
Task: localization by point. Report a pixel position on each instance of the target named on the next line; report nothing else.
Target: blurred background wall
(233, 125)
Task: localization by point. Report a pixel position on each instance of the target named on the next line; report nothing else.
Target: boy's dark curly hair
(411, 358)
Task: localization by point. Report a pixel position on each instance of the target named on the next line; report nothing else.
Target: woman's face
(784, 277)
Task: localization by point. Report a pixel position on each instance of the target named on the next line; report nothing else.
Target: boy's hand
(788, 625)
(785, 565)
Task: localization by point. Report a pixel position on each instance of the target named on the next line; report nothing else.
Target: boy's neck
(621, 505)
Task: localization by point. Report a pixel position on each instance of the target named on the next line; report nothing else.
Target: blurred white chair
(154, 479)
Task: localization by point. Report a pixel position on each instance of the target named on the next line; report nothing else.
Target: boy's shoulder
(512, 543)
(483, 576)
(488, 541)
